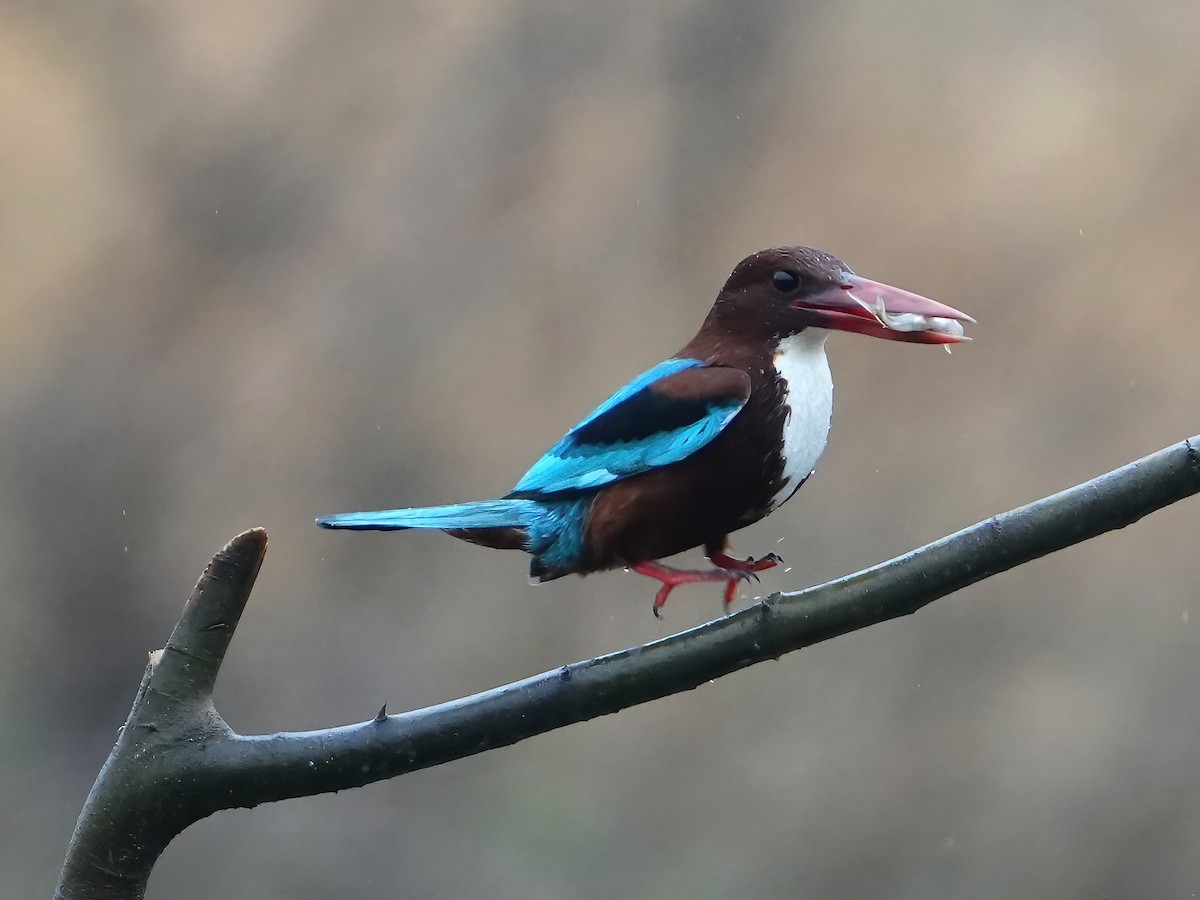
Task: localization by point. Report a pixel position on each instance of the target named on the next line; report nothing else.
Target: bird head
(785, 290)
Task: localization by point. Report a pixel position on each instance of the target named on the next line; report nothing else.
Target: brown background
(260, 262)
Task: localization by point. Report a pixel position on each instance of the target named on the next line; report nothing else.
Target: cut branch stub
(196, 648)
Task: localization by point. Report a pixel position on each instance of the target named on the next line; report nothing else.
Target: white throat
(808, 394)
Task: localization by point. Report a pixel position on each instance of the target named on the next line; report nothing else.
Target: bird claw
(749, 564)
(728, 569)
(669, 579)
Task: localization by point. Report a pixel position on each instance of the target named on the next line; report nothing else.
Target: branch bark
(176, 761)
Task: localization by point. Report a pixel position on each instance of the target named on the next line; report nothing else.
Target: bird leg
(715, 551)
(672, 578)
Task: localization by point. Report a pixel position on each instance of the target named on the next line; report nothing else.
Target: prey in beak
(870, 307)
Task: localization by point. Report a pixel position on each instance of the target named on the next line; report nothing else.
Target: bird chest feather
(808, 395)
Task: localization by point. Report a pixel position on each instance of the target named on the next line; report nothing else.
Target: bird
(707, 442)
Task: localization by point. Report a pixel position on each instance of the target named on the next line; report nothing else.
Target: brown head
(782, 291)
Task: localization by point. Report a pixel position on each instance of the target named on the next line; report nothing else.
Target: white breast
(808, 386)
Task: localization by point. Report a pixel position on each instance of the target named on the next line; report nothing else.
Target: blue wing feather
(637, 429)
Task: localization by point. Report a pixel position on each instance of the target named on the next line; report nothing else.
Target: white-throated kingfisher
(707, 442)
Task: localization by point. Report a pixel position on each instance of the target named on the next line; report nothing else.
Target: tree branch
(176, 761)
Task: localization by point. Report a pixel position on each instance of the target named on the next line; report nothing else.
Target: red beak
(880, 310)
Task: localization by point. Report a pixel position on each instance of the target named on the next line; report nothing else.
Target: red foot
(672, 578)
(715, 550)
(730, 570)
(750, 564)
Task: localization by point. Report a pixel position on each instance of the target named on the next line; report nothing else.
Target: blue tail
(476, 514)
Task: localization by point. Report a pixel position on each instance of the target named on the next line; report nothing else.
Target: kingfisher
(713, 439)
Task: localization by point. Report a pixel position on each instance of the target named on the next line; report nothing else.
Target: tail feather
(513, 513)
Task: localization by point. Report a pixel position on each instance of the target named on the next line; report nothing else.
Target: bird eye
(785, 281)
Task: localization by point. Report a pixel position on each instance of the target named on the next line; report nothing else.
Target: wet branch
(176, 761)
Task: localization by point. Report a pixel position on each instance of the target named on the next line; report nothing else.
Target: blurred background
(262, 261)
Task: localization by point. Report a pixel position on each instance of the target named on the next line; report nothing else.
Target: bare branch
(144, 795)
(176, 761)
